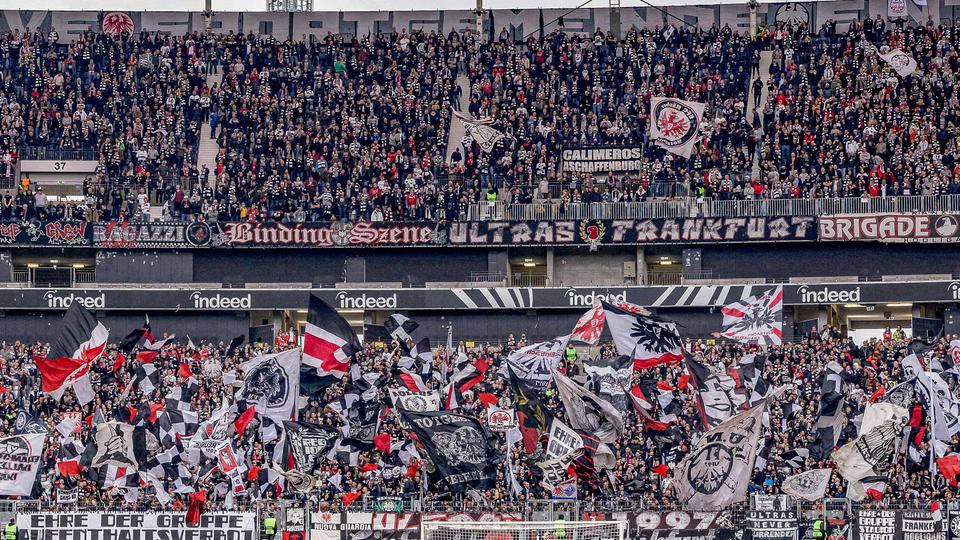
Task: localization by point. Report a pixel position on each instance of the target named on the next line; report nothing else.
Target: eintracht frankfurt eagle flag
(758, 320)
(328, 343)
(675, 124)
(650, 341)
(82, 341)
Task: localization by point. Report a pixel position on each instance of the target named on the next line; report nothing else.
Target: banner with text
(136, 526)
(600, 159)
(899, 525)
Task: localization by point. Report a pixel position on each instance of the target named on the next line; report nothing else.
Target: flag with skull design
(459, 446)
(271, 383)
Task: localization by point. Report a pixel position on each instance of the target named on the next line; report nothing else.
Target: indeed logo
(826, 296)
(219, 301)
(58, 301)
(365, 301)
(587, 299)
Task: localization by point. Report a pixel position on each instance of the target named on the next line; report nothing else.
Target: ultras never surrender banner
(136, 526)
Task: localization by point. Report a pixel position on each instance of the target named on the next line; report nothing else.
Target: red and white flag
(328, 343)
(82, 341)
(757, 320)
(649, 340)
(589, 326)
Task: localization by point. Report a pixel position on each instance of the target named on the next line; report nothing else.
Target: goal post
(523, 530)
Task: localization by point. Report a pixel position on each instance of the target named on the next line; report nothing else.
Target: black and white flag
(146, 377)
(901, 62)
(20, 459)
(481, 130)
(588, 412)
(809, 485)
(176, 424)
(536, 363)
(940, 403)
(308, 442)
(609, 377)
(755, 320)
(118, 444)
(830, 420)
(460, 448)
(400, 327)
(717, 398)
(870, 455)
(415, 401)
(716, 472)
(649, 340)
(675, 124)
(271, 384)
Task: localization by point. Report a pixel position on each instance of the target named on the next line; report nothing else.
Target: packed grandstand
(624, 409)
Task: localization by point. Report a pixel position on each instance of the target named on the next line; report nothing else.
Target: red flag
(185, 372)
(253, 473)
(878, 394)
(240, 424)
(488, 400)
(413, 469)
(118, 362)
(133, 413)
(662, 470)
(382, 442)
(367, 467)
(949, 466)
(350, 497)
(874, 494)
(683, 381)
(68, 468)
(198, 503)
(154, 409)
(147, 357)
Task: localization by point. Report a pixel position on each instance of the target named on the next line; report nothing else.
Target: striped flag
(328, 343)
(757, 320)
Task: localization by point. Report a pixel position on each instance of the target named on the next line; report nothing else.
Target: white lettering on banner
(587, 299)
(366, 302)
(219, 301)
(826, 295)
(136, 526)
(63, 301)
(602, 159)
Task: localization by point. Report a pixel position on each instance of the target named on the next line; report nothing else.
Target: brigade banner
(921, 228)
(771, 525)
(136, 526)
(898, 525)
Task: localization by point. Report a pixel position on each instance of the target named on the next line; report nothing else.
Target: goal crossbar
(523, 530)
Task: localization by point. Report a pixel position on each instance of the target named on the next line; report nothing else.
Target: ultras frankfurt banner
(136, 526)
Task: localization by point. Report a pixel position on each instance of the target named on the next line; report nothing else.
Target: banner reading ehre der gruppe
(135, 526)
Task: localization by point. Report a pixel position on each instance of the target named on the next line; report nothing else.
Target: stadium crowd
(644, 457)
(357, 128)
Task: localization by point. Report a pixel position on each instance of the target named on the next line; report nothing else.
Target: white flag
(896, 8)
(755, 320)
(675, 124)
(869, 456)
(901, 62)
(809, 485)
(20, 461)
(271, 383)
(481, 130)
(716, 472)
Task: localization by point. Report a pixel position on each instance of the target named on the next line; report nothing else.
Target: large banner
(772, 525)
(595, 159)
(928, 228)
(136, 526)
(680, 525)
(898, 525)
(387, 525)
(174, 235)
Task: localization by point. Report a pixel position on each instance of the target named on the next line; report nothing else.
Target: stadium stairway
(766, 58)
(456, 128)
(209, 148)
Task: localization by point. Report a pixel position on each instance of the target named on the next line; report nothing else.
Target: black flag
(459, 446)
(308, 442)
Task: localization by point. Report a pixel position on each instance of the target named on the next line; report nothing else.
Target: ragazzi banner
(595, 159)
(898, 525)
(135, 526)
(680, 525)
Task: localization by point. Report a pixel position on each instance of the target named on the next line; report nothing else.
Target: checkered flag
(180, 397)
(174, 424)
(146, 377)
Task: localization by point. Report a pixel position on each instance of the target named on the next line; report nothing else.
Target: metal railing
(55, 153)
(676, 278)
(54, 277)
(688, 207)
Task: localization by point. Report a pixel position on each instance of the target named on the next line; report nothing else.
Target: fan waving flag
(82, 341)
(651, 341)
(329, 343)
(758, 320)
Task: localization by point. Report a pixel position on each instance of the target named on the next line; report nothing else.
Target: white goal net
(524, 530)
